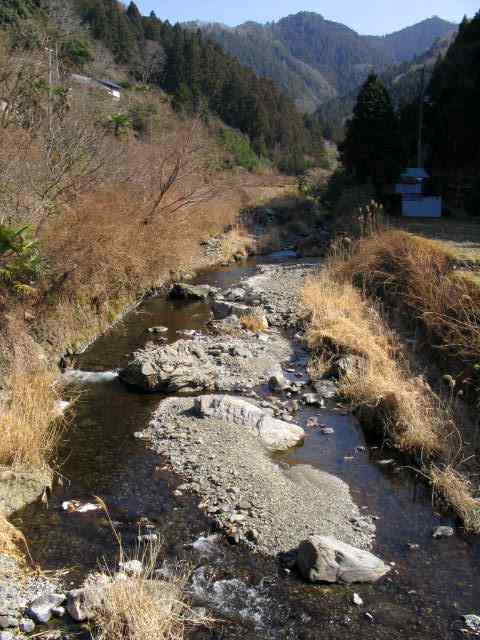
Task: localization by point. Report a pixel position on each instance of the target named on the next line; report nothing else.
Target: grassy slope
(414, 275)
(90, 195)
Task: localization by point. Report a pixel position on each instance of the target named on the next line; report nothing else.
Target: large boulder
(224, 308)
(183, 291)
(277, 380)
(276, 435)
(325, 559)
(40, 610)
(180, 367)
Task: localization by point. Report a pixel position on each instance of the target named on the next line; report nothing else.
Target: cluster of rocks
(25, 600)
(22, 612)
(206, 363)
(212, 246)
(281, 286)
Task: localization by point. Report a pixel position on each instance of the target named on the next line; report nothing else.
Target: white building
(111, 88)
(415, 204)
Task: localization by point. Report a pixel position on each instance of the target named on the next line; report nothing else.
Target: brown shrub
(456, 490)
(417, 273)
(29, 420)
(255, 322)
(341, 319)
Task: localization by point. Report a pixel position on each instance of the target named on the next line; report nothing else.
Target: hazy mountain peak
(314, 59)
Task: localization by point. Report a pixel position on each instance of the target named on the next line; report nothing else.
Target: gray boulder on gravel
(223, 308)
(40, 609)
(182, 366)
(183, 291)
(325, 559)
(276, 435)
(277, 380)
(205, 364)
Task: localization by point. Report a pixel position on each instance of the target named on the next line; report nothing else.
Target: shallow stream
(424, 596)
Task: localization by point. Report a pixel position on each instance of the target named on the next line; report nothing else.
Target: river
(424, 596)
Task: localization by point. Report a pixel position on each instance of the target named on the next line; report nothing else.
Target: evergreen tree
(453, 123)
(372, 149)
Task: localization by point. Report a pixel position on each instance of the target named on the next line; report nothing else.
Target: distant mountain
(313, 59)
(403, 82)
(404, 45)
(256, 46)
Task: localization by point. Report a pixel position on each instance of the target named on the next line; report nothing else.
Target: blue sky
(378, 18)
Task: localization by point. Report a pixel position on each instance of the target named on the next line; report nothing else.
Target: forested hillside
(406, 44)
(195, 71)
(200, 76)
(314, 59)
(257, 47)
(403, 82)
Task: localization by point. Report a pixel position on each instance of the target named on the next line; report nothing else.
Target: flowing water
(423, 597)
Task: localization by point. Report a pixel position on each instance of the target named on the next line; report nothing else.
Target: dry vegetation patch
(342, 320)
(29, 419)
(416, 273)
(255, 322)
(138, 608)
(384, 389)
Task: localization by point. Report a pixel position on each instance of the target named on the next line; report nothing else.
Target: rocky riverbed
(222, 488)
(244, 390)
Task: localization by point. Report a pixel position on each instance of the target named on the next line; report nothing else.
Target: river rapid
(432, 582)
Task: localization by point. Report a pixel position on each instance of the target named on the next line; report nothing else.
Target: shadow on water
(427, 589)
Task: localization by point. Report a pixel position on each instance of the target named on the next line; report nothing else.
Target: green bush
(239, 147)
(20, 261)
(76, 52)
(339, 181)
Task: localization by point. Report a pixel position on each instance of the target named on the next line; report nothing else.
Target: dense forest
(201, 77)
(382, 134)
(313, 59)
(403, 82)
(195, 71)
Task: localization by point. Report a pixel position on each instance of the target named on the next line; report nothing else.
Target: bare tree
(62, 14)
(175, 182)
(153, 61)
(22, 89)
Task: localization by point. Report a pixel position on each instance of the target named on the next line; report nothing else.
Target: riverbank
(250, 594)
(395, 394)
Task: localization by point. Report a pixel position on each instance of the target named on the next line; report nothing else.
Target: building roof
(415, 172)
(93, 81)
(110, 85)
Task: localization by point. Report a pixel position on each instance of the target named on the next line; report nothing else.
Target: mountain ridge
(314, 59)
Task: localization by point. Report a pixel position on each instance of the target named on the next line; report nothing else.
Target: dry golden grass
(138, 608)
(12, 541)
(30, 427)
(416, 273)
(460, 236)
(456, 490)
(342, 321)
(255, 322)
(29, 421)
(236, 243)
(140, 605)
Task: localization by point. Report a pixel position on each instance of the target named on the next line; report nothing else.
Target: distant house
(415, 203)
(92, 83)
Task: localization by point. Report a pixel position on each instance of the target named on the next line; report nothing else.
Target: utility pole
(50, 80)
(420, 120)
